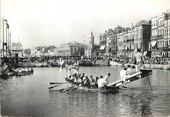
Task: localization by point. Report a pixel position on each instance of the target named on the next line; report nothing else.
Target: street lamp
(7, 37)
(3, 44)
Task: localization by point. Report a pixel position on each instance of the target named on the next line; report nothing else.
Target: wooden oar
(56, 83)
(54, 86)
(149, 81)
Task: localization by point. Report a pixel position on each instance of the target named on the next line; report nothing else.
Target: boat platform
(136, 76)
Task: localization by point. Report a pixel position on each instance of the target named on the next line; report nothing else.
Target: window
(167, 32)
(158, 32)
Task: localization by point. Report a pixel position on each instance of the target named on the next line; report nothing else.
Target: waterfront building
(38, 51)
(142, 35)
(120, 44)
(113, 46)
(154, 34)
(17, 49)
(52, 50)
(125, 47)
(167, 34)
(160, 36)
(108, 41)
(160, 39)
(88, 50)
(102, 42)
(71, 49)
(114, 49)
(91, 51)
(130, 43)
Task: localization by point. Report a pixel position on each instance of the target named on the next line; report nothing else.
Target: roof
(73, 44)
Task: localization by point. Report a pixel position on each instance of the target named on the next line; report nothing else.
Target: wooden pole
(149, 83)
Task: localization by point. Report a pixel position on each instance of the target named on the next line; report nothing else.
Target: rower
(69, 72)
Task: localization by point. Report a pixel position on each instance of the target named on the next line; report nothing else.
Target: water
(29, 96)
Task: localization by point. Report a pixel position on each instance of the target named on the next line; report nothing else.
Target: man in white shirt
(139, 59)
(103, 81)
(106, 78)
(123, 74)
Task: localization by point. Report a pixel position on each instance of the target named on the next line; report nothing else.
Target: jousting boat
(110, 88)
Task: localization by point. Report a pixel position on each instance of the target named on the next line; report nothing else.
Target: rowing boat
(110, 88)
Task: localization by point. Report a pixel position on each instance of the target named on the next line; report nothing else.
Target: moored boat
(113, 63)
(85, 63)
(54, 64)
(24, 72)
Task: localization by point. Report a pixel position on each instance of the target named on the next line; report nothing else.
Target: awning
(153, 43)
(102, 47)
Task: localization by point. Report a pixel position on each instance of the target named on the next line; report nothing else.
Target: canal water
(30, 96)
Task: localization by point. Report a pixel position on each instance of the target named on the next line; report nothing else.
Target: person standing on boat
(106, 78)
(139, 60)
(123, 75)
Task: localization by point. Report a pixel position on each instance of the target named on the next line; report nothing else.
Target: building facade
(167, 35)
(17, 49)
(160, 36)
(120, 44)
(142, 35)
(71, 49)
(91, 50)
(130, 46)
(102, 43)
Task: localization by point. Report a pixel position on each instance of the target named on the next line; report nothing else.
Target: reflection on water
(29, 96)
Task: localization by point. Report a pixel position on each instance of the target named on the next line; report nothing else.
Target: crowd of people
(147, 60)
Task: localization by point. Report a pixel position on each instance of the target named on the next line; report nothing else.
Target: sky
(54, 22)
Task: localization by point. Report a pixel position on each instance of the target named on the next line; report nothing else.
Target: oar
(149, 83)
(54, 86)
(56, 83)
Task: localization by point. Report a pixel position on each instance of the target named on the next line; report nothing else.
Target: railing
(154, 37)
(157, 36)
(160, 36)
(130, 40)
